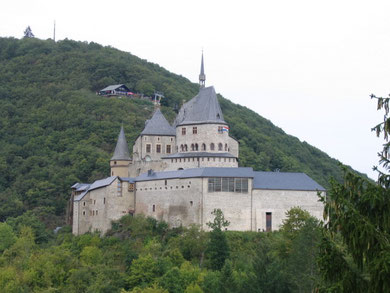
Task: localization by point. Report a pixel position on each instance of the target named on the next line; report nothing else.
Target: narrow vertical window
(119, 188)
(148, 148)
(104, 200)
(203, 147)
(220, 146)
(268, 222)
(194, 130)
(212, 146)
(183, 131)
(154, 208)
(168, 149)
(158, 148)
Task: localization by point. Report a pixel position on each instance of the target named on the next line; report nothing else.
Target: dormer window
(218, 116)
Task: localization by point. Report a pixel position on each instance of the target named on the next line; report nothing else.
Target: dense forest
(55, 131)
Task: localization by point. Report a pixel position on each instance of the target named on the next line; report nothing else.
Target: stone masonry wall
(278, 202)
(185, 163)
(176, 201)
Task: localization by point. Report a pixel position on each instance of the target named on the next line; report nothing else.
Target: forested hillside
(55, 130)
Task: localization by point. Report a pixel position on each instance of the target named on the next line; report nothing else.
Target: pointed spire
(122, 149)
(202, 76)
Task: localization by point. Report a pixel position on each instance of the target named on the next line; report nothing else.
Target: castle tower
(202, 76)
(120, 161)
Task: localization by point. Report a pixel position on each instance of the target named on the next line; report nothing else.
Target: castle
(180, 173)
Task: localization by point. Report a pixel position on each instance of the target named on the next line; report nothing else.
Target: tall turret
(202, 76)
(121, 160)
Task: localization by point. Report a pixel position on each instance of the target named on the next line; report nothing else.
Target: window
(191, 203)
(114, 162)
(212, 146)
(239, 185)
(96, 212)
(183, 131)
(220, 146)
(83, 213)
(226, 147)
(104, 200)
(84, 203)
(154, 208)
(168, 149)
(196, 147)
(220, 129)
(158, 148)
(148, 148)
(119, 188)
(182, 148)
(131, 186)
(166, 182)
(185, 148)
(192, 147)
(203, 147)
(171, 138)
(194, 130)
(268, 222)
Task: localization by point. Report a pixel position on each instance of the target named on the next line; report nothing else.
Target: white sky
(309, 66)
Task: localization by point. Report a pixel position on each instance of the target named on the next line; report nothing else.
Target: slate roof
(284, 181)
(198, 154)
(158, 125)
(97, 184)
(122, 149)
(203, 108)
(112, 87)
(198, 172)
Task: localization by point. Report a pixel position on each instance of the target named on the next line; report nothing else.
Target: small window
(268, 222)
(183, 131)
(226, 147)
(171, 138)
(131, 186)
(114, 162)
(158, 148)
(194, 130)
(203, 147)
(191, 203)
(168, 149)
(83, 213)
(148, 148)
(96, 212)
(220, 146)
(185, 148)
(84, 203)
(166, 182)
(212, 146)
(192, 147)
(94, 201)
(196, 147)
(158, 139)
(154, 208)
(104, 200)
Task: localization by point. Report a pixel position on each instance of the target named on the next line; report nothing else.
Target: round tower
(121, 160)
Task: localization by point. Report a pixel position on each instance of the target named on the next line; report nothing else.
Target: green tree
(217, 248)
(7, 236)
(357, 211)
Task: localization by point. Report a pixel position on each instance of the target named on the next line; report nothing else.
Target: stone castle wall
(185, 163)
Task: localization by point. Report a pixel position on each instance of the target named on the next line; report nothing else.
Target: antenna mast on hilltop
(54, 33)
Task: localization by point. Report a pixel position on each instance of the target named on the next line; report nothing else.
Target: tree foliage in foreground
(355, 250)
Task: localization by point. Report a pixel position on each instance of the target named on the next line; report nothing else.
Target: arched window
(212, 146)
(192, 147)
(220, 147)
(203, 147)
(185, 148)
(226, 147)
(196, 147)
(182, 148)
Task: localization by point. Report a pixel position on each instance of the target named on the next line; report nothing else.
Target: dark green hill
(54, 129)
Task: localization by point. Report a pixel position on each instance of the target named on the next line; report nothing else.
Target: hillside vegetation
(55, 130)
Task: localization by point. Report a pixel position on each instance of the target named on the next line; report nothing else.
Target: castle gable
(158, 125)
(203, 108)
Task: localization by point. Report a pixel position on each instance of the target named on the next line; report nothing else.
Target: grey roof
(97, 184)
(122, 149)
(198, 172)
(112, 87)
(128, 179)
(284, 181)
(198, 154)
(203, 108)
(158, 125)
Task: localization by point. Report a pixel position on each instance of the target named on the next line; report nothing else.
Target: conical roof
(203, 108)
(158, 125)
(122, 149)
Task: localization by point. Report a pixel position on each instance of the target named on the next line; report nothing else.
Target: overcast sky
(308, 66)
